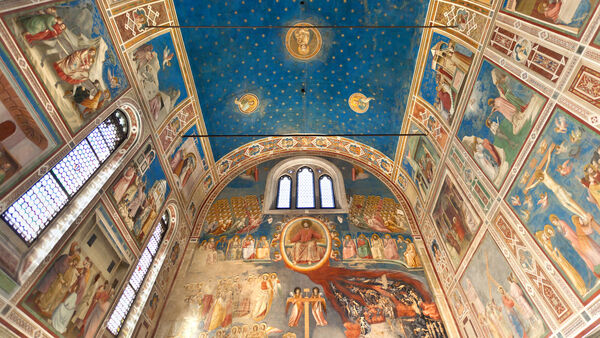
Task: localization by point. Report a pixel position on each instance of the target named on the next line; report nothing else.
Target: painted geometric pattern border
(271, 145)
(256, 152)
(587, 85)
(536, 273)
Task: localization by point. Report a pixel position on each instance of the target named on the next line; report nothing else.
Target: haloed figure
(302, 36)
(296, 301)
(319, 309)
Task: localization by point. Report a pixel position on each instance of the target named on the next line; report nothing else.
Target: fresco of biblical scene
(377, 213)
(444, 76)
(68, 46)
(73, 295)
(305, 243)
(420, 160)
(26, 135)
(140, 192)
(455, 219)
(565, 16)
(238, 214)
(169, 266)
(243, 286)
(152, 305)
(187, 162)
(557, 197)
(497, 297)
(159, 76)
(398, 249)
(497, 120)
(238, 208)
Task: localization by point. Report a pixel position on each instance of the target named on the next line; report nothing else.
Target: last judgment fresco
(354, 274)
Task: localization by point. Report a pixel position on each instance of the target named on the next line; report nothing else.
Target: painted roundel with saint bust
(303, 42)
(306, 244)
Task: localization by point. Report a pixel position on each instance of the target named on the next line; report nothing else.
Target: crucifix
(300, 303)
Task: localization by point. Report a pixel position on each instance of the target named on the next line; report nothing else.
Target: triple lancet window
(305, 183)
(305, 196)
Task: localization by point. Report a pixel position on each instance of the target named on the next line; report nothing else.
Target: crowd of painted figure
(375, 247)
(70, 296)
(380, 248)
(235, 248)
(241, 331)
(216, 305)
(381, 307)
(377, 214)
(570, 218)
(240, 214)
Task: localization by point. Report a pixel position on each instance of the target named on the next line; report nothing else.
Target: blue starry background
(228, 63)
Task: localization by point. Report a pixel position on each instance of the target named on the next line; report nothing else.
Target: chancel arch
(243, 247)
(228, 170)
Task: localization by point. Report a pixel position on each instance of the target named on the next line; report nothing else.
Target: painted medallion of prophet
(359, 103)
(303, 42)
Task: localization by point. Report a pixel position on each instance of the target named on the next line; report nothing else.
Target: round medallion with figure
(303, 42)
(522, 50)
(305, 244)
(359, 103)
(247, 103)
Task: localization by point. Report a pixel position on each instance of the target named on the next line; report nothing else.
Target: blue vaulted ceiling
(228, 63)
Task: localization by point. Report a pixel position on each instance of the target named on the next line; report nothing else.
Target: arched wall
(363, 155)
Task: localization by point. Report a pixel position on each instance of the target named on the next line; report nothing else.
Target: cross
(304, 302)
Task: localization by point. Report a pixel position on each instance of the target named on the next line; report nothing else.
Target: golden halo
(359, 103)
(247, 103)
(303, 42)
(323, 245)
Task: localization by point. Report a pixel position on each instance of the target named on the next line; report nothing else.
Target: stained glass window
(305, 189)
(121, 310)
(79, 164)
(31, 213)
(326, 192)
(153, 245)
(101, 148)
(284, 194)
(140, 270)
(117, 318)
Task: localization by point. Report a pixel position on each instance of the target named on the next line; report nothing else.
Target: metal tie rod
(305, 135)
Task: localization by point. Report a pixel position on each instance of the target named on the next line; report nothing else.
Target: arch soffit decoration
(307, 149)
